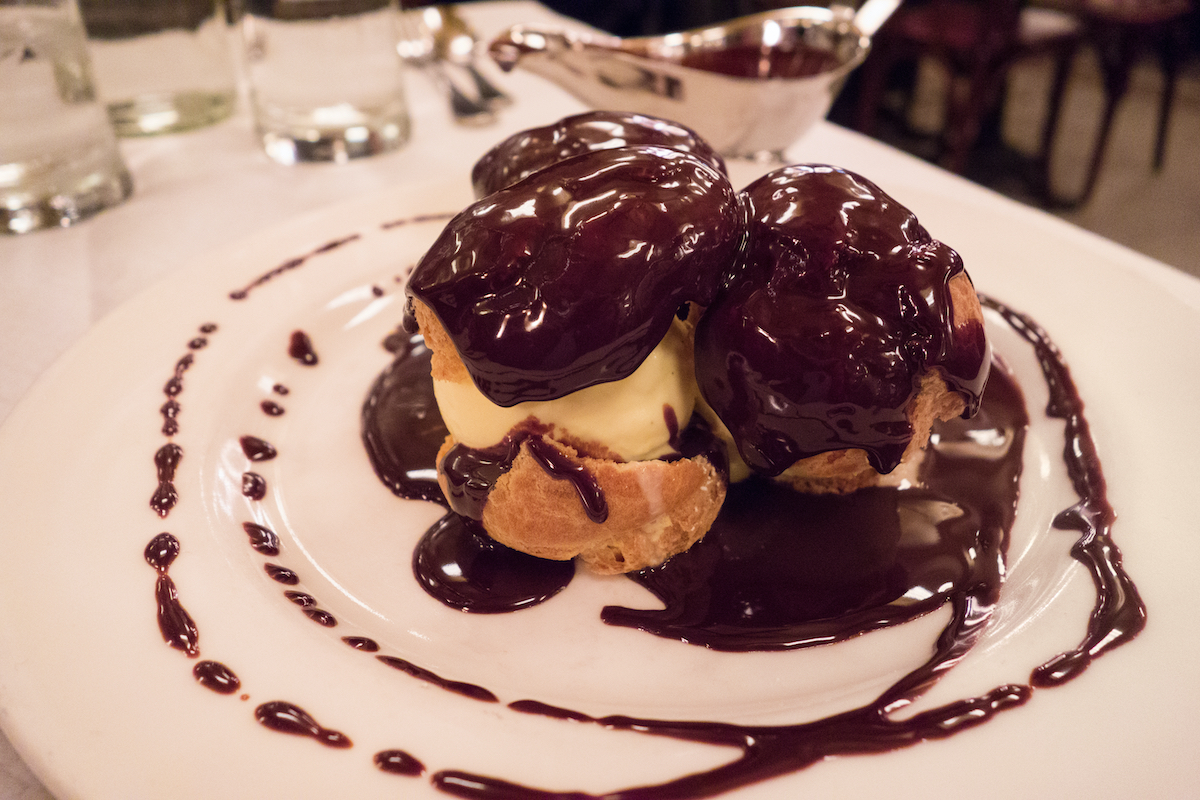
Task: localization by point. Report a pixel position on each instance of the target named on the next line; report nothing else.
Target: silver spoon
(455, 42)
(418, 48)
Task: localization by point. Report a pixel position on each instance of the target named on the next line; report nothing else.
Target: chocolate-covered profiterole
(526, 152)
(841, 306)
(573, 276)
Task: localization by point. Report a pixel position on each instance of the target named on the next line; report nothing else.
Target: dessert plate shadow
(102, 706)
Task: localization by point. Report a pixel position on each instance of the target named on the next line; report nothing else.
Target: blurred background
(972, 84)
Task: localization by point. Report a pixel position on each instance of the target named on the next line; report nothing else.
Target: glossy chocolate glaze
(840, 303)
(528, 151)
(571, 277)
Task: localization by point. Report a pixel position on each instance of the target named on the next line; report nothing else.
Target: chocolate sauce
(174, 386)
(281, 574)
(285, 717)
(572, 277)
(840, 303)
(166, 461)
(257, 449)
(458, 563)
(216, 676)
(781, 569)
(262, 539)
(271, 408)
(415, 220)
(1119, 614)
(398, 762)
(526, 152)
(401, 428)
(364, 643)
(750, 61)
(176, 625)
(300, 347)
(254, 486)
(291, 264)
(963, 511)
(458, 687)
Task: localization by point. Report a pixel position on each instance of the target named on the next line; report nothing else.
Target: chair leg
(1117, 66)
(1064, 61)
(1169, 55)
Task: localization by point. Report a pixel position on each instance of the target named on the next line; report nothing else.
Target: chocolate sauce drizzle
(300, 347)
(254, 486)
(767, 751)
(216, 676)
(271, 408)
(262, 539)
(457, 687)
(984, 488)
(398, 762)
(257, 449)
(1119, 613)
(285, 717)
(291, 264)
(178, 629)
(166, 461)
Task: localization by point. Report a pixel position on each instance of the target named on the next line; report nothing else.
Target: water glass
(326, 81)
(161, 65)
(59, 161)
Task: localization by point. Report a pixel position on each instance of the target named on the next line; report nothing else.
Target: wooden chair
(977, 41)
(1121, 31)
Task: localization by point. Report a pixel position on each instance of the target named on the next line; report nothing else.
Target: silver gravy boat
(750, 86)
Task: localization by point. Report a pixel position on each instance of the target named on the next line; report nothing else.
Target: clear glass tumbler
(59, 161)
(326, 80)
(161, 65)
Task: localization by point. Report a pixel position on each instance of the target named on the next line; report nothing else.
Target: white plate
(101, 707)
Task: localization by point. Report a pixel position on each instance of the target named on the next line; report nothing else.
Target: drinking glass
(161, 65)
(326, 81)
(59, 161)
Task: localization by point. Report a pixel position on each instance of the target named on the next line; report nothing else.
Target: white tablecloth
(197, 190)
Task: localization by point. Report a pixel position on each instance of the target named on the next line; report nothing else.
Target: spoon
(455, 42)
(418, 48)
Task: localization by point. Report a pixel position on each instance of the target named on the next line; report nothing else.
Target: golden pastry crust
(845, 471)
(655, 509)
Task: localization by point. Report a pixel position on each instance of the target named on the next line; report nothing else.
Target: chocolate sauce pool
(949, 536)
(781, 570)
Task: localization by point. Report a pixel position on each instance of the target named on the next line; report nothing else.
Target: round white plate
(101, 707)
